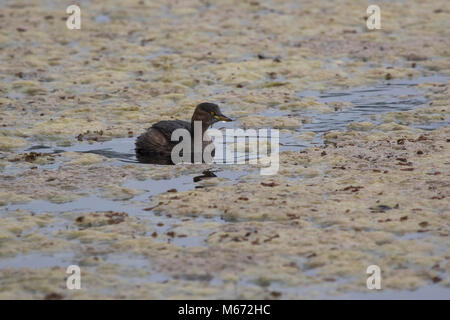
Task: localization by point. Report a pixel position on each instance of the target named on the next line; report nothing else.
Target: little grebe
(156, 141)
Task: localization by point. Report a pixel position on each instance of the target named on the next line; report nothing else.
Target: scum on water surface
(364, 125)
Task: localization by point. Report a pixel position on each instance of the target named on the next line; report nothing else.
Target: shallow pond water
(367, 102)
(395, 95)
(364, 149)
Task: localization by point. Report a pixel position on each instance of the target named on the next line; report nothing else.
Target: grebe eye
(212, 113)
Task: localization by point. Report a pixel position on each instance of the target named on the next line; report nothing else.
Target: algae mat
(364, 173)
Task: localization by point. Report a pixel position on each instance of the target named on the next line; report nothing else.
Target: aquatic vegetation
(7, 143)
(364, 126)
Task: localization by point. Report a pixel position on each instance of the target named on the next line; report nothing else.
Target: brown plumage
(156, 141)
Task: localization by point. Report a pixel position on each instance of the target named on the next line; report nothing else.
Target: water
(396, 95)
